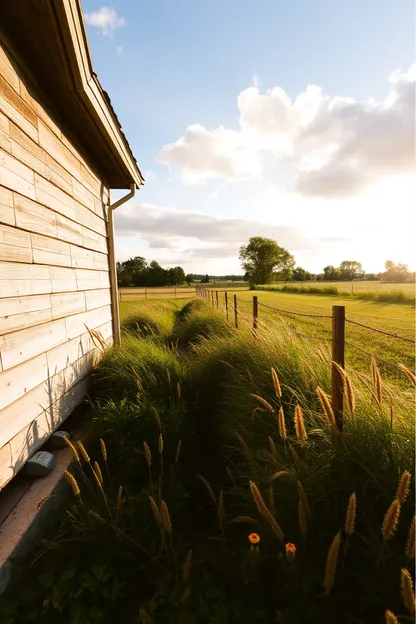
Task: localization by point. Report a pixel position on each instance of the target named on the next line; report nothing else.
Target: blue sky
(206, 93)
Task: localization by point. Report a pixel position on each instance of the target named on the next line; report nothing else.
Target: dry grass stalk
(410, 544)
(282, 425)
(373, 370)
(351, 514)
(339, 369)
(300, 428)
(148, 454)
(349, 393)
(273, 449)
(408, 594)
(303, 525)
(230, 476)
(73, 449)
(98, 473)
(119, 501)
(160, 448)
(304, 499)
(272, 505)
(83, 452)
(164, 512)
(244, 519)
(72, 482)
(296, 458)
(390, 520)
(403, 488)
(155, 511)
(187, 566)
(379, 394)
(179, 391)
(244, 446)
(276, 384)
(331, 564)
(156, 417)
(263, 510)
(263, 402)
(280, 473)
(390, 618)
(326, 406)
(220, 511)
(178, 451)
(208, 488)
(409, 374)
(185, 596)
(103, 450)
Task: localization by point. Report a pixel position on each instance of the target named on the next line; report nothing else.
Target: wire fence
(338, 331)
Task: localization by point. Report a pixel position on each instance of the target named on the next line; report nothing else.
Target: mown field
(357, 286)
(215, 487)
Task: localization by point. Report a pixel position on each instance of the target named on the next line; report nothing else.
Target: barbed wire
(380, 331)
(374, 355)
(264, 305)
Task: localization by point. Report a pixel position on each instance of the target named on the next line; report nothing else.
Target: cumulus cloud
(199, 235)
(106, 20)
(327, 146)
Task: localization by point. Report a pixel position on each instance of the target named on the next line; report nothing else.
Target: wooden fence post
(175, 293)
(255, 313)
(226, 304)
(145, 292)
(235, 311)
(119, 295)
(216, 298)
(338, 356)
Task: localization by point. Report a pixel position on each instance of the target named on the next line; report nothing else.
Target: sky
(291, 120)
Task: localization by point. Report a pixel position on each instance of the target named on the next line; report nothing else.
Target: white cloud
(326, 146)
(105, 19)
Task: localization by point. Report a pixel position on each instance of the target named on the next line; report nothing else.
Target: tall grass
(395, 295)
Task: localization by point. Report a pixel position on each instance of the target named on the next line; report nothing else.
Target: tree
(205, 279)
(263, 259)
(331, 273)
(351, 269)
(396, 272)
(189, 279)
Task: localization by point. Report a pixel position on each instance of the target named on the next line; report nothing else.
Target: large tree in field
(351, 269)
(263, 259)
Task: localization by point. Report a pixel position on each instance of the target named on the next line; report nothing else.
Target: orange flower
(290, 551)
(254, 538)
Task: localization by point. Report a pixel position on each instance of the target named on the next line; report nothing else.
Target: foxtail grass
(276, 384)
(408, 594)
(410, 544)
(326, 406)
(390, 521)
(331, 564)
(403, 488)
(349, 526)
(282, 425)
(208, 488)
(300, 428)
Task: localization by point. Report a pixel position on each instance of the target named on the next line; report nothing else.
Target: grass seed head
(166, 521)
(208, 488)
(273, 450)
(390, 618)
(244, 446)
(156, 417)
(300, 428)
(403, 488)
(103, 450)
(282, 424)
(350, 516)
(73, 449)
(187, 566)
(160, 443)
(98, 473)
(72, 482)
(409, 374)
(276, 384)
(155, 511)
(83, 452)
(408, 594)
(147, 453)
(263, 402)
(326, 406)
(349, 393)
(331, 564)
(390, 520)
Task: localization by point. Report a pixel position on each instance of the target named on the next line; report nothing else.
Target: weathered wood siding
(54, 277)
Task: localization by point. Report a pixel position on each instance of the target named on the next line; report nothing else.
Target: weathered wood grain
(16, 109)
(6, 207)
(16, 176)
(50, 251)
(14, 245)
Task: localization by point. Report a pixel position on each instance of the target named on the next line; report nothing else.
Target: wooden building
(61, 151)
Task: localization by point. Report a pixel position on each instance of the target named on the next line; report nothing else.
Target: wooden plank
(106, 330)
(27, 151)
(14, 245)
(97, 298)
(90, 181)
(76, 325)
(60, 357)
(51, 196)
(15, 288)
(22, 305)
(59, 176)
(16, 109)
(17, 271)
(82, 258)
(63, 279)
(50, 251)
(101, 262)
(6, 207)
(56, 148)
(34, 217)
(68, 230)
(4, 133)
(91, 240)
(90, 220)
(16, 176)
(16, 322)
(8, 71)
(88, 277)
(28, 343)
(6, 470)
(66, 304)
(32, 99)
(18, 380)
(83, 195)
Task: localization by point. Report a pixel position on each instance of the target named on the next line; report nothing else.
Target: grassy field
(212, 490)
(357, 286)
